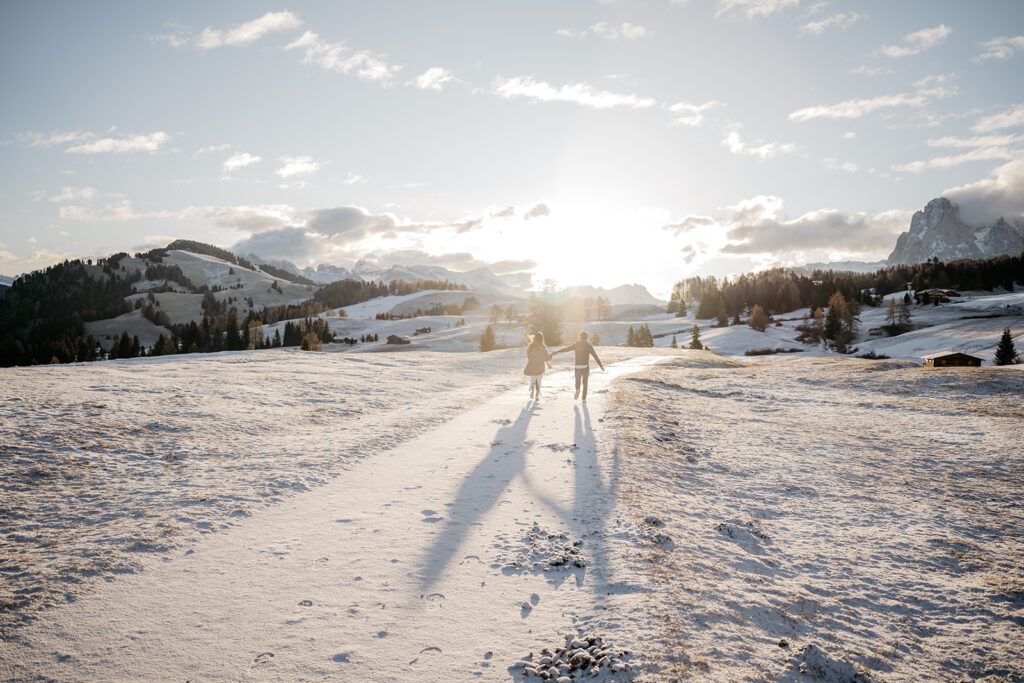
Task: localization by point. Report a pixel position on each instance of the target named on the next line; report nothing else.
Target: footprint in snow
(263, 658)
(426, 656)
(435, 601)
(341, 658)
(430, 516)
(382, 634)
(305, 603)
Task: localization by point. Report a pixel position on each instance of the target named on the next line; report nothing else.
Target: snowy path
(402, 568)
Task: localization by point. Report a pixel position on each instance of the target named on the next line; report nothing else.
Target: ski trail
(428, 562)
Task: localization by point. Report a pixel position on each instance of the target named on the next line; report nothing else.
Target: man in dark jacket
(583, 350)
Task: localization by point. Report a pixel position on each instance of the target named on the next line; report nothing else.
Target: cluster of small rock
(582, 657)
(545, 550)
(658, 538)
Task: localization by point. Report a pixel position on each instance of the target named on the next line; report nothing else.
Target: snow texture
(301, 516)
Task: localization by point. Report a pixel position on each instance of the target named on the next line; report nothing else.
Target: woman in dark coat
(537, 357)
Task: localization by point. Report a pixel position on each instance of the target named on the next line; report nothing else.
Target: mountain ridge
(937, 231)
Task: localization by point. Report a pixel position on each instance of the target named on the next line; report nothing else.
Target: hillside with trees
(779, 291)
(43, 314)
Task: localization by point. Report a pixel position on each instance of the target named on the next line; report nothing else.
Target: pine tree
(904, 315)
(487, 339)
(695, 342)
(1006, 354)
(841, 321)
(710, 301)
(232, 339)
(674, 344)
(758, 319)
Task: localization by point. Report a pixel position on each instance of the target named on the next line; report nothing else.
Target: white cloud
(927, 89)
(210, 148)
(836, 165)
(979, 148)
(689, 224)
(353, 179)
(1007, 119)
(38, 258)
(72, 194)
(46, 140)
(843, 21)
(603, 29)
(120, 212)
(239, 160)
(1000, 195)
(917, 42)
(1002, 48)
(537, 211)
(292, 167)
(753, 8)
(433, 78)
(976, 141)
(759, 226)
(246, 218)
(246, 33)
(849, 135)
(691, 114)
(854, 109)
(870, 71)
(734, 142)
(364, 64)
(138, 142)
(582, 94)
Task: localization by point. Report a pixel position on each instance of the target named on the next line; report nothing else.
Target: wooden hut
(948, 359)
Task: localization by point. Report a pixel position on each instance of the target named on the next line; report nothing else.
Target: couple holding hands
(537, 357)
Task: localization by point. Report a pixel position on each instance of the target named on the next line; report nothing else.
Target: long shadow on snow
(593, 500)
(479, 492)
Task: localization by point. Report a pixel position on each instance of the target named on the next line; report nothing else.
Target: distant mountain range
(479, 280)
(938, 232)
(838, 266)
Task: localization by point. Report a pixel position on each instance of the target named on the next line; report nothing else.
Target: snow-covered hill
(479, 280)
(623, 295)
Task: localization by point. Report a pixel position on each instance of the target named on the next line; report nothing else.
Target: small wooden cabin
(948, 359)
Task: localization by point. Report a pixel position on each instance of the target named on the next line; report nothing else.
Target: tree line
(779, 291)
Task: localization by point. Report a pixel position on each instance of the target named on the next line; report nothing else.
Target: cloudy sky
(586, 141)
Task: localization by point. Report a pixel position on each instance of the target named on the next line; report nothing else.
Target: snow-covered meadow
(855, 518)
(284, 515)
(103, 463)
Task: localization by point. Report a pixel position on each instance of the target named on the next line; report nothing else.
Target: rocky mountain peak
(938, 231)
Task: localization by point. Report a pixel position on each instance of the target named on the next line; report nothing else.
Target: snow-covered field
(853, 517)
(104, 463)
(285, 515)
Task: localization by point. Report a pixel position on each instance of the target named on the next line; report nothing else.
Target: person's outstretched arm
(567, 348)
(593, 353)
